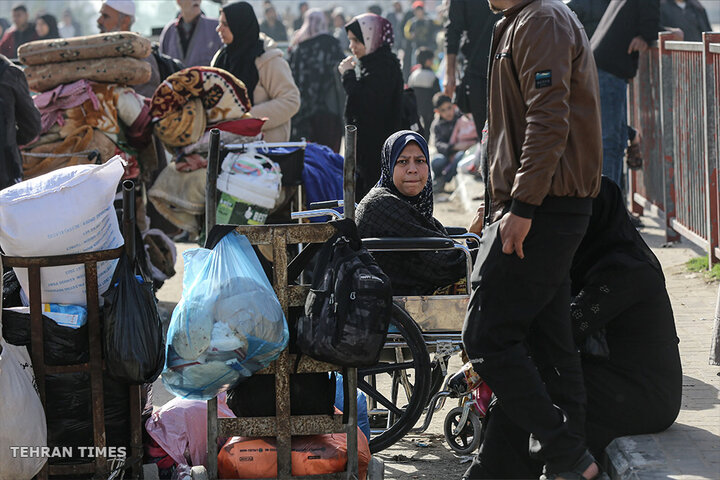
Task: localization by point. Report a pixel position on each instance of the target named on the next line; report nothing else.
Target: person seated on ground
(444, 162)
(624, 327)
(401, 205)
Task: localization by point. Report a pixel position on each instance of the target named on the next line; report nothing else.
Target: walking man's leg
(514, 299)
(613, 97)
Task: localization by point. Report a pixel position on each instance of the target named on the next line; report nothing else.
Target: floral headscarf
(372, 30)
(314, 23)
(394, 145)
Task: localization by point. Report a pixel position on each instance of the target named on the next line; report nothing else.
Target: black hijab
(611, 240)
(239, 56)
(52, 24)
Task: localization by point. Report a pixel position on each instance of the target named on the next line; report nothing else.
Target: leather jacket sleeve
(543, 52)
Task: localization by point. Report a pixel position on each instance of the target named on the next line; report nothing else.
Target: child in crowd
(444, 163)
(425, 84)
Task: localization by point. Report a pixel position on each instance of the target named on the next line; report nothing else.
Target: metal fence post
(711, 70)
(667, 85)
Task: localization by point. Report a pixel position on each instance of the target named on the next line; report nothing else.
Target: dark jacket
(475, 18)
(589, 12)
(623, 21)
(442, 132)
(277, 32)
(22, 119)
(383, 214)
(374, 105)
(544, 136)
(314, 68)
(692, 19)
(13, 38)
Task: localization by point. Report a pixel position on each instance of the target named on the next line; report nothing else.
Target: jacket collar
(512, 11)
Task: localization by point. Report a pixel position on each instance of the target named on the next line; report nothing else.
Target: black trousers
(478, 101)
(520, 308)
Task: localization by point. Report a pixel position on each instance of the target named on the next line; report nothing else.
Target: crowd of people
(537, 88)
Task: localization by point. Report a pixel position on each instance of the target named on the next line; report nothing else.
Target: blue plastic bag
(363, 420)
(228, 324)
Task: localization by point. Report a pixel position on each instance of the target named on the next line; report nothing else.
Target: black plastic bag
(69, 413)
(62, 345)
(133, 344)
(310, 394)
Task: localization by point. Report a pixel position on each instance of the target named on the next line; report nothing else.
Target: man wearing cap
(118, 16)
(545, 158)
(191, 37)
(420, 31)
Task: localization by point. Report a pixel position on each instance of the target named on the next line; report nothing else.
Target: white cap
(126, 7)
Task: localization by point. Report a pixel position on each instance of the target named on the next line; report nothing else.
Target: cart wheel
(467, 440)
(199, 473)
(406, 360)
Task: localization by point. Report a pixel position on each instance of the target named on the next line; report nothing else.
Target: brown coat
(544, 108)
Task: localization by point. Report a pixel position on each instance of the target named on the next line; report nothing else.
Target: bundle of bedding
(89, 114)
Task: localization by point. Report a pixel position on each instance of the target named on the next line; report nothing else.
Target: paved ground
(688, 450)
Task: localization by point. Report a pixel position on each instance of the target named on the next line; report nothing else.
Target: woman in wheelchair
(401, 205)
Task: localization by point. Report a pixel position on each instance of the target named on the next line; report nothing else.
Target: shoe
(585, 461)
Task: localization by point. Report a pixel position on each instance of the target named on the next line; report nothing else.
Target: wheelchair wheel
(406, 361)
(466, 440)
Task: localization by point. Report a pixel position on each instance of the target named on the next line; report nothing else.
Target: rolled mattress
(104, 45)
(123, 70)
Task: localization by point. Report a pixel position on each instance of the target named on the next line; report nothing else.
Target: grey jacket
(203, 43)
(22, 119)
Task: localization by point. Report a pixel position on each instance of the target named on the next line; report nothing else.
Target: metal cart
(101, 466)
(283, 426)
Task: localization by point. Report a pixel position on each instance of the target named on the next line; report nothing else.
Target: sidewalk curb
(637, 457)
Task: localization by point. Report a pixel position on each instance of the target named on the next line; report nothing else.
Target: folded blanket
(112, 105)
(122, 70)
(52, 103)
(184, 126)
(103, 45)
(223, 98)
(51, 156)
(180, 197)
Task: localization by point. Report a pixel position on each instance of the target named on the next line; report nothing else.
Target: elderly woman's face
(223, 30)
(411, 170)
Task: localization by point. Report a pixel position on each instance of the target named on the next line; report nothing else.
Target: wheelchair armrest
(455, 230)
(408, 243)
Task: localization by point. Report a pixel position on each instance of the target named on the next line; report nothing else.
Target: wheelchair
(425, 331)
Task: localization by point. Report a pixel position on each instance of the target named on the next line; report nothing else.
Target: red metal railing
(674, 101)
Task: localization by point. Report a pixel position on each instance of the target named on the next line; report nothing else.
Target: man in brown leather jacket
(545, 158)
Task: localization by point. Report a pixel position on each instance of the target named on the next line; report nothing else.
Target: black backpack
(347, 311)
(167, 65)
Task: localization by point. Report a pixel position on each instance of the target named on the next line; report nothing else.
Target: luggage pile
(184, 108)
(50, 215)
(89, 114)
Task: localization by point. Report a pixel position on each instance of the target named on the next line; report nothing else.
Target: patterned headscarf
(394, 145)
(372, 30)
(314, 23)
